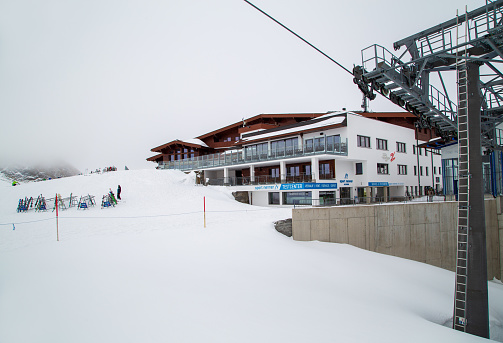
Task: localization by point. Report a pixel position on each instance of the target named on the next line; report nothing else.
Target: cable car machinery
(463, 45)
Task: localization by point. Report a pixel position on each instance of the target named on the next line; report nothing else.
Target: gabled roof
(193, 143)
(262, 116)
(154, 158)
(328, 120)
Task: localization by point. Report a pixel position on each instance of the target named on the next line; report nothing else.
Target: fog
(100, 83)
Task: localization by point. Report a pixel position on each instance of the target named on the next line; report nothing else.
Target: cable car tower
(463, 46)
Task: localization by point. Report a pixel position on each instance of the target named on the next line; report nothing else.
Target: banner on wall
(297, 186)
(385, 184)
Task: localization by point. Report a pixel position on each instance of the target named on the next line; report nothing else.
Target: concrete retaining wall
(423, 232)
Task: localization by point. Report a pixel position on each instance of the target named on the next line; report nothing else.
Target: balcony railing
(260, 180)
(236, 157)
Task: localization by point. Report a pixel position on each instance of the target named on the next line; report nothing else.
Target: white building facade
(337, 158)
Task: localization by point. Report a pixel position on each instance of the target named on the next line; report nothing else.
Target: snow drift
(148, 270)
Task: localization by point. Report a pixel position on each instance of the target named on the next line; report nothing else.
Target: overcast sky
(99, 83)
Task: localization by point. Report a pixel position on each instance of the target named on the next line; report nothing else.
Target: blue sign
(378, 184)
(308, 185)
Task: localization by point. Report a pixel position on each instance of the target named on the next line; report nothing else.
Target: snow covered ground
(148, 271)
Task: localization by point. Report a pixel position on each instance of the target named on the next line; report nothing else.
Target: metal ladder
(460, 321)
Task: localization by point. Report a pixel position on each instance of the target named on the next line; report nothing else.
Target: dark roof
(177, 142)
(261, 116)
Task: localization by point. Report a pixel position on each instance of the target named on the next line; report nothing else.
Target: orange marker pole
(204, 204)
(57, 218)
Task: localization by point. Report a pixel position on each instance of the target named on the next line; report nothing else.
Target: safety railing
(260, 180)
(378, 58)
(364, 200)
(240, 156)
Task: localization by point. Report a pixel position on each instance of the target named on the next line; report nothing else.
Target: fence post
(57, 218)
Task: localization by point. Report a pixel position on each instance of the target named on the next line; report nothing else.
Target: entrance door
(345, 194)
(239, 177)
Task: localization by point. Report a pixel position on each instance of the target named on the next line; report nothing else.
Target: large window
(402, 169)
(257, 151)
(308, 145)
(319, 143)
(381, 144)
(363, 141)
(333, 143)
(382, 168)
(273, 198)
(284, 147)
(297, 198)
(400, 147)
(291, 145)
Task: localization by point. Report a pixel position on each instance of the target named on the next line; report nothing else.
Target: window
(293, 171)
(382, 144)
(256, 151)
(439, 171)
(420, 151)
(308, 145)
(402, 169)
(426, 170)
(284, 147)
(273, 198)
(425, 152)
(325, 172)
(421, 170)
(319, 144)
(291, 145)
(414, 149)
(275, 172)
(400, 147)
(333, 143)
(415, 170)
(297, 198)
(359, 168)
(434, 170)
(363, 141)
(382, 168)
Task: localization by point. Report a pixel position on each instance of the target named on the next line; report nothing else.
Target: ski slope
(148, 270)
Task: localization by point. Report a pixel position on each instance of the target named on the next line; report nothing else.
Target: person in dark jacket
(119, 192)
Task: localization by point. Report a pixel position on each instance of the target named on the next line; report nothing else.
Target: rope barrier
(28, 222)
(136, 217)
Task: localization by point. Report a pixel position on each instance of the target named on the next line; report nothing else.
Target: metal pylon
(471, 312)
